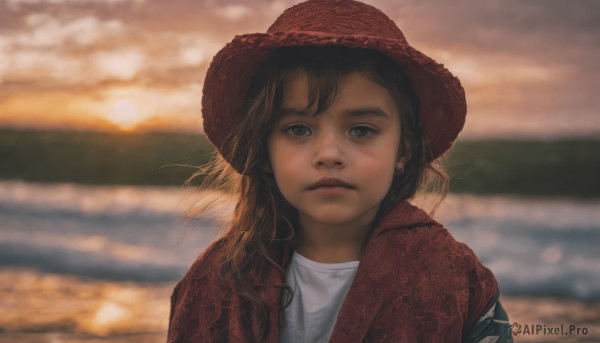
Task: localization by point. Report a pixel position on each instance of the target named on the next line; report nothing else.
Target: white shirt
(319, 291)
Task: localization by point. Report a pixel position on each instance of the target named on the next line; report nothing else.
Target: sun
(125, 114)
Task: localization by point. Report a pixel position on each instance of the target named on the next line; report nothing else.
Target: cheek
(284, 162)
(380, 171)
(379, 164)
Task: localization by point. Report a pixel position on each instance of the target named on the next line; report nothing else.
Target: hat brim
(442, 98)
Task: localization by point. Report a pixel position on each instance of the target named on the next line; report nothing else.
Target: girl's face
(355, 140)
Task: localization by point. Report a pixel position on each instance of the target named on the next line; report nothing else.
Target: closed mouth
(330, 183)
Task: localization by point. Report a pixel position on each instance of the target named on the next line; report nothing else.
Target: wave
(539, 247)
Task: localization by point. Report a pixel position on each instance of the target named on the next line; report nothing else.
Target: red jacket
(414, 283)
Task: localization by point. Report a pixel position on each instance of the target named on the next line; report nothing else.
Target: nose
(328, 151)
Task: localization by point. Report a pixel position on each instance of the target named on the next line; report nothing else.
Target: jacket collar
(403, 216)
(375, 274)
(370, 284)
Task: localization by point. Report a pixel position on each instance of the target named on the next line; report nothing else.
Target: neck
(333, 243)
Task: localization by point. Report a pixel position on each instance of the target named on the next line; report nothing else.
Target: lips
(330, 182)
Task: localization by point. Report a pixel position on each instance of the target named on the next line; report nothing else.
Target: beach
(98, 264)
(39, 307)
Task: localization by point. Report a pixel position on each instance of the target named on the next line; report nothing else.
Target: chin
(331, 216)
(333, 221)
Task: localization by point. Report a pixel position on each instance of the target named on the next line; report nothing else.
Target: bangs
(323, 86)
(326, 68)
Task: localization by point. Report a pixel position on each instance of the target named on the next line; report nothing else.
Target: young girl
(325, 127)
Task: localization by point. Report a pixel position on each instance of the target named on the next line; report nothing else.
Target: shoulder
(439, 264)
(195, 298)
(206, 261)
(432, 246)
(202, 270)
(431, 251)
(409, 233)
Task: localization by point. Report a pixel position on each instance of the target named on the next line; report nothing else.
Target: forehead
(357, 95)
(295, 89)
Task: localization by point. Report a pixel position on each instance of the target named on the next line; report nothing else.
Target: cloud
(234, 12)
(17, 4)
(114, 107)
(534, 62)
(529, 68)
(542, 32)
(43, 48)
(512, 21)
(88, 50)
(46, 31)
(121, 64)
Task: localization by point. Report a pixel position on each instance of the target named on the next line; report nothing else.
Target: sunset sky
(531, 68)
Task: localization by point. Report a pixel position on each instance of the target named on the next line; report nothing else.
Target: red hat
(344, 23)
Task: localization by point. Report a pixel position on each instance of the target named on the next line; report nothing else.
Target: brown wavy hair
(262, 218)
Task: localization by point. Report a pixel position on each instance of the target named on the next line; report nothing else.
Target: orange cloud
(140, 64)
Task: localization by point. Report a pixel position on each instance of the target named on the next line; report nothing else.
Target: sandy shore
(551, 313)
(38, 307)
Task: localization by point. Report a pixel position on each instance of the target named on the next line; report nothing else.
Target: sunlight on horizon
(125, 114)
(137, 65)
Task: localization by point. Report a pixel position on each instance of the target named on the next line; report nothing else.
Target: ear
(400, 164)
(404, 155)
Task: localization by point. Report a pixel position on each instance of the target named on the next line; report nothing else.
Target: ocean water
(535, 247)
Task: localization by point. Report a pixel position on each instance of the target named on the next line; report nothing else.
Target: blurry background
(100, 125)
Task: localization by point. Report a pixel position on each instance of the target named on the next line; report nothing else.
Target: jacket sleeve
(487, 320)
(493, 326)
(174, 333)
(195, 306)
(174, 296)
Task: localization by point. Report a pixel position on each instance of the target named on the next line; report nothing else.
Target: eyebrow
(352, 112)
